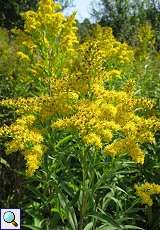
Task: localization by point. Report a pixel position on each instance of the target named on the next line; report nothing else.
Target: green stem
(82, 211)
(84, 188)
(105, 175)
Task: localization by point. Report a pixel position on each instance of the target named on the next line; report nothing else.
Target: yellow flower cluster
(25, 139)
(126, 145)
(146, 39)
(113, 74)
(93, 139)
(60, 104)
(92, 120)
(129, 86)
(45, 16)
(71, 82)
(146, 190)
(122, 53)
(146, 35)
(22, 56)
(98, 120)
(33, 158)
(23, 105)
(103, 112)
(46, 47)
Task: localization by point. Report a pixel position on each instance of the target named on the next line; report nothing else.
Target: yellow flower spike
(113, 74)
(33, 158)
(108, 111)
(23, 138)
(144, 191)
(130, 128)
(62, 123)
(123, 146)
(23, 56)
(13, 146)
(136, 153)
(107, 134)
(129, 86)
(116, 148)
(93, 139)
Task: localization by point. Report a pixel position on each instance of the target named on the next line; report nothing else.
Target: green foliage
(7, 64)
(79, 191)
(125, 16)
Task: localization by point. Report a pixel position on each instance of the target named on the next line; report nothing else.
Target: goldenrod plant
(75, 94)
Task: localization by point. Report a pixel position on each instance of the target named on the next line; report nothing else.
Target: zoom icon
(10, 219)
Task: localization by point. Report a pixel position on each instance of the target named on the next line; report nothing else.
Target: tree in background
(10, 11)
(124, 16)
(85, 29)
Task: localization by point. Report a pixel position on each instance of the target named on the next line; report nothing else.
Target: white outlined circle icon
(9, 217)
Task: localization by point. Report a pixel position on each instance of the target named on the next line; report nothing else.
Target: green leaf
(63, 141)
(69, 211)
(132, 227)
(31, 227)
(60, 211)
(72, 218)
(106, 218)
(108, 198)
(37, 193)
(120, 189)
(89, 226)
(107, 227)
(4, 162)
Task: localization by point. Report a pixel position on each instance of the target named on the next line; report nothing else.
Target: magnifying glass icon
(9, 217)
